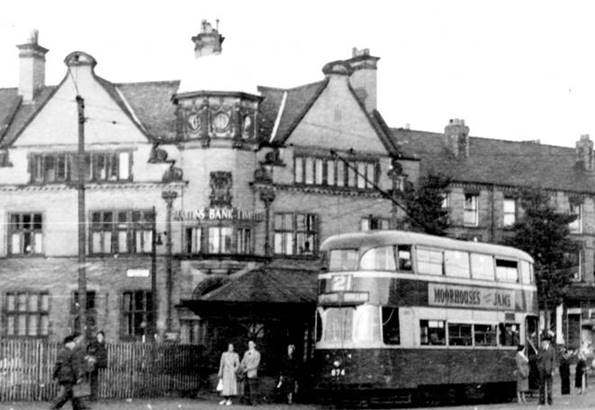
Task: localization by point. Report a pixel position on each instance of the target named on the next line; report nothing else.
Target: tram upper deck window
(391, 334)
(507, 270)
(432, 332)
(459, 334)
(484, 335)
(526, 272)
(381, 258)
(343, 259)
(456, 263)
(429, 261)
(482, 266)
(404, 258)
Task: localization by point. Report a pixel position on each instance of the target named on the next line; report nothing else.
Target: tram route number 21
(341, 283)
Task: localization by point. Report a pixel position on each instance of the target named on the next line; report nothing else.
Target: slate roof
(298, 102)
(152, 104)
(499, 162)
(14, 115)
(267, 285)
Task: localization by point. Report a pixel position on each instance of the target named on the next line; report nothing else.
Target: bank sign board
(217, 214)
(470, 296)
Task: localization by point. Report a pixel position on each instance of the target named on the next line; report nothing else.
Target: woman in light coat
(522, 374)
(230, 362)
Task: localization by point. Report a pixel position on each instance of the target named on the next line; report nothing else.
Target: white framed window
(471, 211)
(576, 226)
(509, 212)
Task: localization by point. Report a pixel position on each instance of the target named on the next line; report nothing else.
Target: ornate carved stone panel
(221, 185)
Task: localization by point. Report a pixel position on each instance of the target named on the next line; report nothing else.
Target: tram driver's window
(459, 334)
(509, 334)
(404, 258)
(390, 326)
(432, 332)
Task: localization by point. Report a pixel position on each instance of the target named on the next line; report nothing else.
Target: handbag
(220, 385)
(82, 389)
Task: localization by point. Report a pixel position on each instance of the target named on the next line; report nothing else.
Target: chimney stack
(456, 134)
(208, 41)
(32, 67)
(584, 153)
(363, 78)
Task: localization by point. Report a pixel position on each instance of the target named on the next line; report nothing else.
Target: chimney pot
(584, 153)
(31, 67)
(456, 135)
(363, 76)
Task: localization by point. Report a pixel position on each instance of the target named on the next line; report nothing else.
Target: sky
(513, 70)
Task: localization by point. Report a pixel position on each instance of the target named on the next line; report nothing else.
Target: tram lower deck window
(432, 332)
(484, 335)
(390, 326)
(459, 334)
(509, 334)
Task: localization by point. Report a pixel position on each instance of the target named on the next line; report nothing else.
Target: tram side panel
(395, 369)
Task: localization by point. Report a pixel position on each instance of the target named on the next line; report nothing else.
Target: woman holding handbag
(228, 366)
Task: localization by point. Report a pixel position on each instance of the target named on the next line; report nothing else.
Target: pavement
(572, 401)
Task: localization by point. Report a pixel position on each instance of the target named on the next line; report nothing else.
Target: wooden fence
(134, 370)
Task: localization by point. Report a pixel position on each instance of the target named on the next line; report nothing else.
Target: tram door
(532, 347)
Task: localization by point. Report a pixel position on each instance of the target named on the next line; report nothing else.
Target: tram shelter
(272, 306)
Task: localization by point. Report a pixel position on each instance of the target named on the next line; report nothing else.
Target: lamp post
(169, 197)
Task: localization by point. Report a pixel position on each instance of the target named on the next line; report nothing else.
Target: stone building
(222, 191)
(219, 189)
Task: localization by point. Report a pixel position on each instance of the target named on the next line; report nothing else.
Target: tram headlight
(336, 363)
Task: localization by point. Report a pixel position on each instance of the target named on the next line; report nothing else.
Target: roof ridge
(526, 142)
(151, 82)
(313, 83)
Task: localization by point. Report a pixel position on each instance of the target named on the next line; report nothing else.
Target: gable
(108, 121)
(337, 120)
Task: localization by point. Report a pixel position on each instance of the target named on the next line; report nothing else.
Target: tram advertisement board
(440, 294)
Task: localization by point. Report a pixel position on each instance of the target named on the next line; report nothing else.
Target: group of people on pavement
(240, 378)
(546, 363)
(77, 370)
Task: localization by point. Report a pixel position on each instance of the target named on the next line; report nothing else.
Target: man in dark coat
(98, 351)
(68, 371)
(546, 359)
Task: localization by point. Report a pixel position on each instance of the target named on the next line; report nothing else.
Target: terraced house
(223, 190)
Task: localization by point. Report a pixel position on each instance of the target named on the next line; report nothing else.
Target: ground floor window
(26, 314)
(137, 309)
(90, 311)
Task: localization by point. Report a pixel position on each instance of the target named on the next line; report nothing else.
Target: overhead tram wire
(382, 192)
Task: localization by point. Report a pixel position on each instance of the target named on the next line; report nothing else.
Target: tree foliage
(424, 205)
(543, 233)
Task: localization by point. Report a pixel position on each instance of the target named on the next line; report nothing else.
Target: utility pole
(82, 274)
(154, 299)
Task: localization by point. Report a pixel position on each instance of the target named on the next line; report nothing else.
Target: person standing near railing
(68, 371)
(98, 351)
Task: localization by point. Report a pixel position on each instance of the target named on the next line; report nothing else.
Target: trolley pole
(82, 274)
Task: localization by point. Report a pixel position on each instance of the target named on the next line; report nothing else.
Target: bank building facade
(206, 198)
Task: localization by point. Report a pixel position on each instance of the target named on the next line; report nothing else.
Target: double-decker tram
(405, 317)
